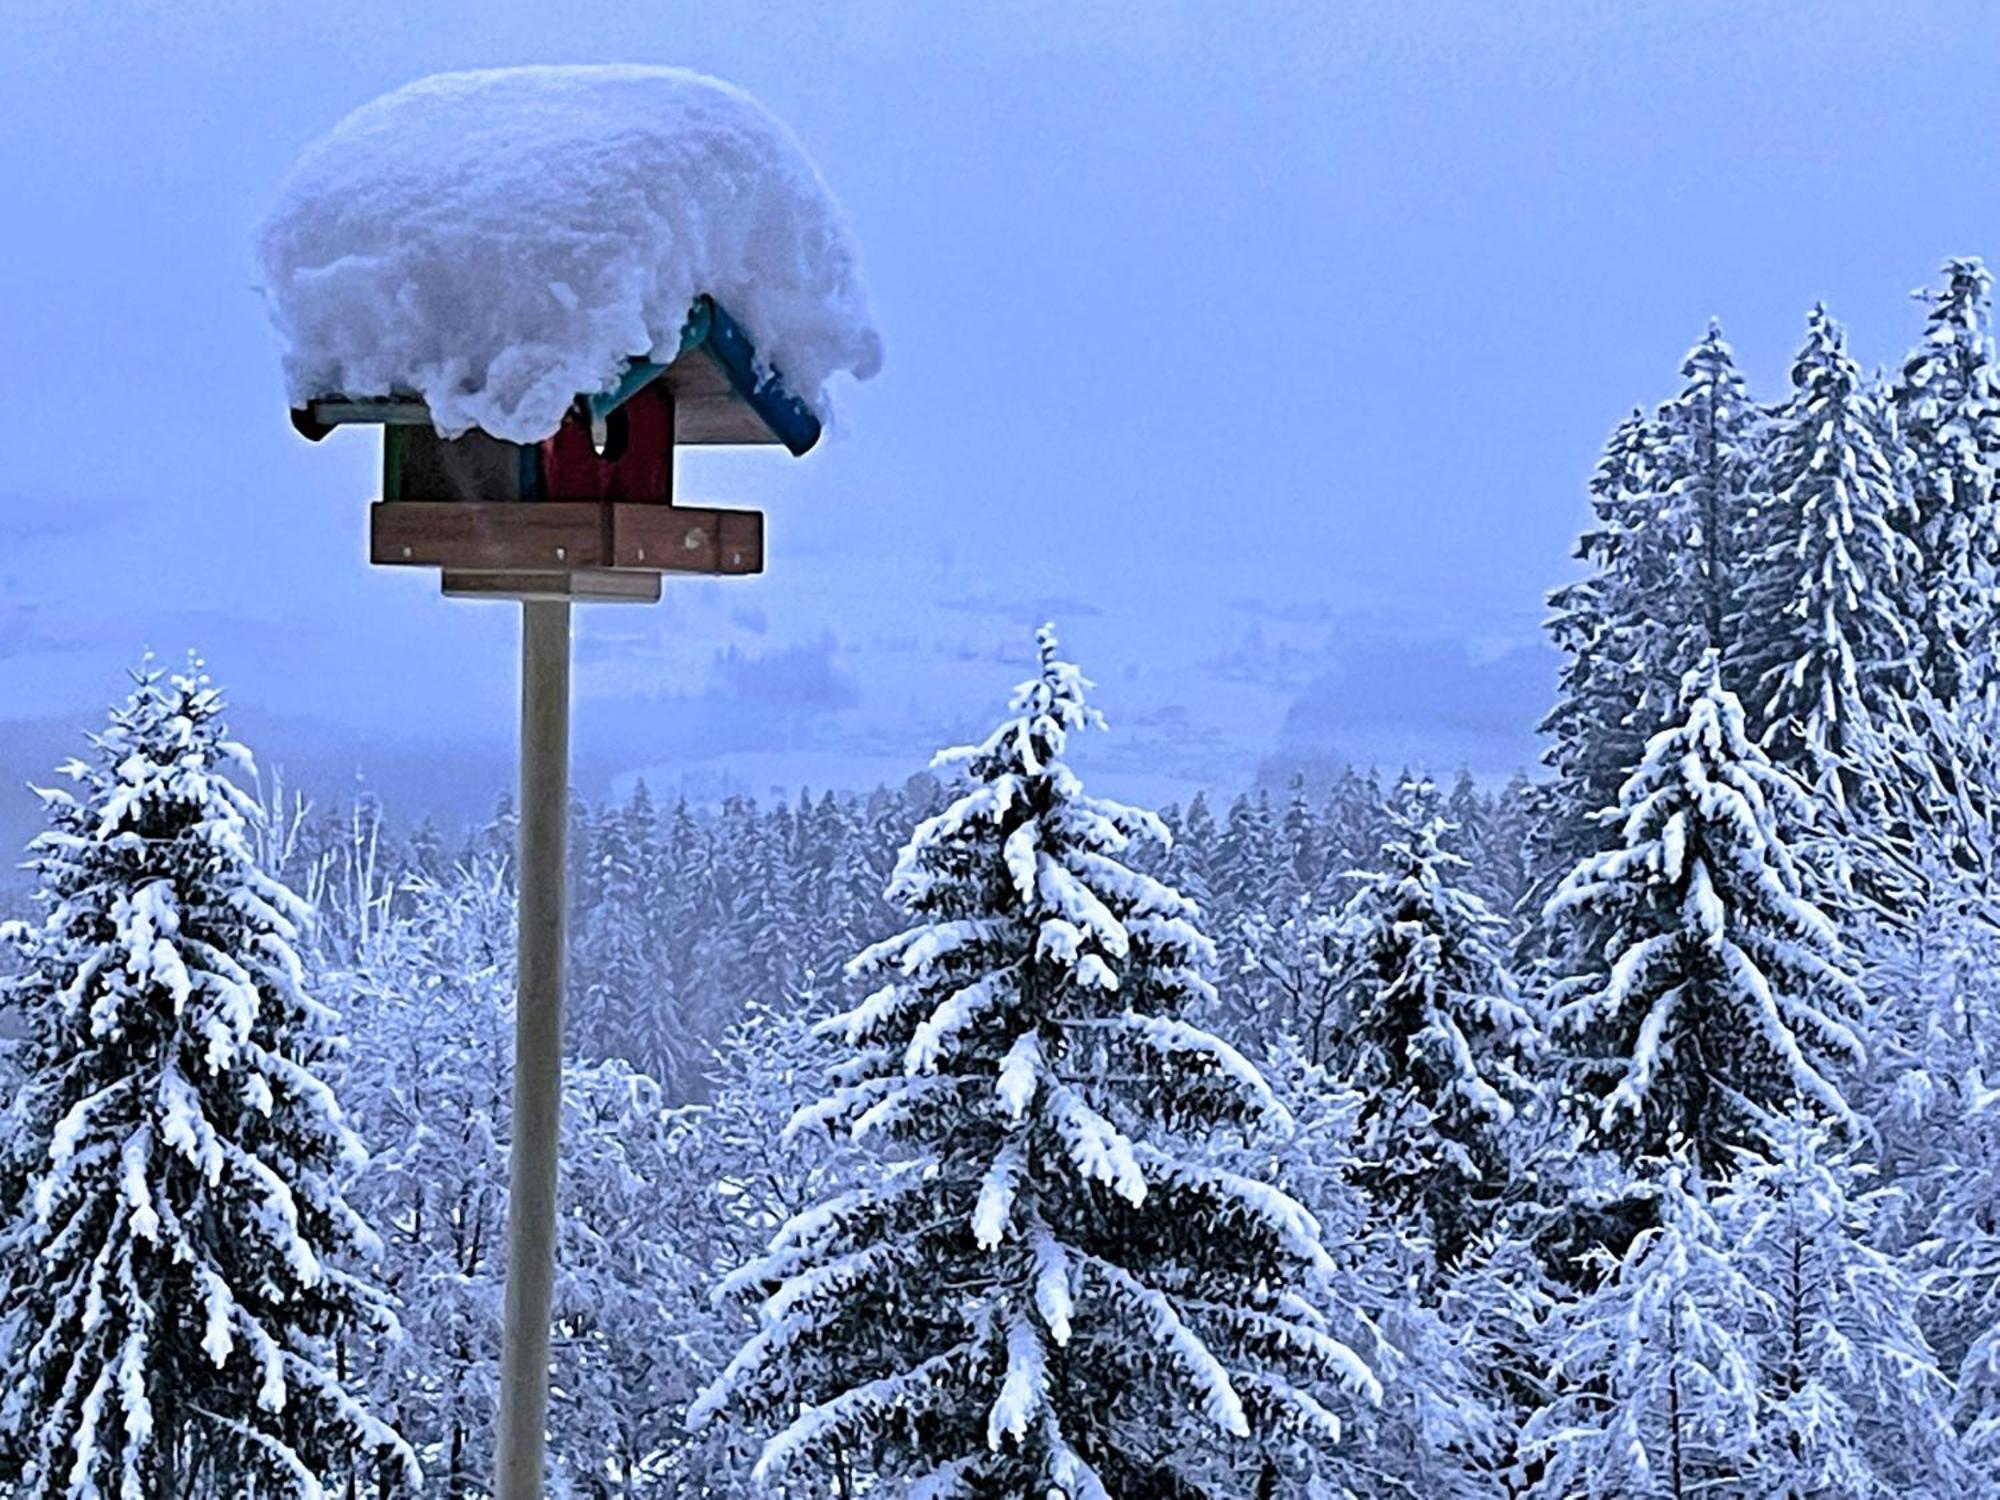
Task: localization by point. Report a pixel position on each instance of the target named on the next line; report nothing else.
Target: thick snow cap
(500, 242)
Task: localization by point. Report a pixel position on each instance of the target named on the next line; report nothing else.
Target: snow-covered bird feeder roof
(501, 250)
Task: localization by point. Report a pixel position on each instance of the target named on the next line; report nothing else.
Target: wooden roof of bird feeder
(588, 512)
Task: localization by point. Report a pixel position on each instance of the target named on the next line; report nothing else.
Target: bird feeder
(464, 243)
(588, 513)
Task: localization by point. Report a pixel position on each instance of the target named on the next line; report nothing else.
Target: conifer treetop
(1828, 648)
(183, 1251)
(1435, 1031)
(1047, 1279)
(1947, 403)
(1717, 991)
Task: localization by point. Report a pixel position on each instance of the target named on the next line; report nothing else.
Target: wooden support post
(538, 1038)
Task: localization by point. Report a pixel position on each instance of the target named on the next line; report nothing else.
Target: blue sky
(1266, 347)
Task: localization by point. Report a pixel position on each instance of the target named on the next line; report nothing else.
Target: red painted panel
(638, 462)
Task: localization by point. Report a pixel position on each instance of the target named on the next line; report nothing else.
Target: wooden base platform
(603, 542)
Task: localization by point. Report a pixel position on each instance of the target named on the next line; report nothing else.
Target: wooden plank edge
(596, 586)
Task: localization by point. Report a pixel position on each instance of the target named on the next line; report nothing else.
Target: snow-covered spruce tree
(1655, 1380)
(833, 880)
(1503, 864)
(1824, 651)
(1046, 1288)
(614, 973)
(766, 917)
(1187, 862)
(1246, 850)
(690, 933)
(1708, 992)
(1352, 829)
(1852, 1400)
(1468, 812)
(629, 1005)
(1670, 497)
(1432, 1033)
(1302, 860)
(179, 1255)
(1598, 623)
(1947, 404)
(1704, 471)
(856, 909)
(1441, 1429)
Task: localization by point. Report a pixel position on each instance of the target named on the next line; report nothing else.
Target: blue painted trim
(637, 375)
(710, 328)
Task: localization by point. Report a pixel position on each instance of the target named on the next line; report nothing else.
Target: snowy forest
(1625, 1130)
